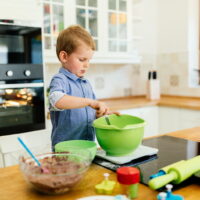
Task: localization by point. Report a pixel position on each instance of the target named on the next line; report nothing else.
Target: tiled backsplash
(110, 80)
(174, 74)
(130, 79)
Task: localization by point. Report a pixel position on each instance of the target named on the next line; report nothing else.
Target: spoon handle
(27, 149)
(107, 120)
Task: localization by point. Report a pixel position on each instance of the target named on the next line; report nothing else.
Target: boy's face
(78, 62)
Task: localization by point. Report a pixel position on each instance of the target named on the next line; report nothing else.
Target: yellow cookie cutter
(106, 186)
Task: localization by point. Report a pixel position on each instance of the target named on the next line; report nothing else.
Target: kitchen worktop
(13, 185)
(123, 103)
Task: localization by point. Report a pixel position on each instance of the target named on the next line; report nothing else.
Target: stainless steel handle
(21, 85)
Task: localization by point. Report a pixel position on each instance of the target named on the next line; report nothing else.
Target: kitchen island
(13, 185)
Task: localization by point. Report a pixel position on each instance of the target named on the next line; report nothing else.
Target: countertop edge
(123, 103)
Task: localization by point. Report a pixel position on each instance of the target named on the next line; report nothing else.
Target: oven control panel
(20, 71)
(9, 73)
(27, 72)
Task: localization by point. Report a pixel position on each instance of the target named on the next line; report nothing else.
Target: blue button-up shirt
(70, 124)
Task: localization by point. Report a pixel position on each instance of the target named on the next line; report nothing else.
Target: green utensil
(165, 169)
(107, 120)
(44, 170)
(177, 174)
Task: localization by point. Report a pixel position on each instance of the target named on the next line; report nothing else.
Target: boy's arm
(71, 102)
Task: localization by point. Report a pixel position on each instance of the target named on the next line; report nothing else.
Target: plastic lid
(128, 175)
(162, 196)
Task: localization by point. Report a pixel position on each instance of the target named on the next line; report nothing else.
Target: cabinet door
(135, 112)
(189, 118)
(53, 23)
(169, 119)
(150, 115)
(118, 26)
(87, 12)
(110, 17)
(109, 22)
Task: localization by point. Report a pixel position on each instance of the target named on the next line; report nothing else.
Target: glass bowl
(64, 170)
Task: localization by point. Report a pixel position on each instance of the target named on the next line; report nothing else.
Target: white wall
(149, 28)
(172, 26)
(176, 46)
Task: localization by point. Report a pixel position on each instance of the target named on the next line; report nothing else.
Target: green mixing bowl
(122, 136)
(84, 146)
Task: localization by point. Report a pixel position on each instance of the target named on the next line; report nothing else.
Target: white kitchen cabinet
(137, 23)
(25, 10)
(53, 23)
(173, 119)
(189, 118)
(149, 114)
(109, 22)
(134, 111)
(10, 148)
(161, 119)
(169, 119)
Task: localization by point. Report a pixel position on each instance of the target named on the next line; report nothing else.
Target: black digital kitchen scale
(170, 150)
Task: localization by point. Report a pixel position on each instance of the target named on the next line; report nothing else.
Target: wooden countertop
(123, 103)
(14, 187)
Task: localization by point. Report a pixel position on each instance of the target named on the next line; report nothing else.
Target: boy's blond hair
(70, 38)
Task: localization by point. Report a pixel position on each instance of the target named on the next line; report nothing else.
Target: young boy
(72, 102)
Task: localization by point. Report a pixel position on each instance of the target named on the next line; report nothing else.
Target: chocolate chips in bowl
(64, 171)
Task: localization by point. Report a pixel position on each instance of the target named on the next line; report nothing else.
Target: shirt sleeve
(57, 84)
(53, 98)
(57, 91)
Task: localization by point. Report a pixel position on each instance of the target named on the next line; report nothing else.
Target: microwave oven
(20, 44)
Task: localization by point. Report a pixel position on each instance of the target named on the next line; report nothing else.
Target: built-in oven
(22, 106)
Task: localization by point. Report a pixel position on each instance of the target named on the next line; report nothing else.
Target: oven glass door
(20, 44)
(21, 108)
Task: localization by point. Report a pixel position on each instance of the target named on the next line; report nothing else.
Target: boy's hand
(101, 108)
(114, 112)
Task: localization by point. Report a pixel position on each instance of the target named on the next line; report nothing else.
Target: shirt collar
(70, 75)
